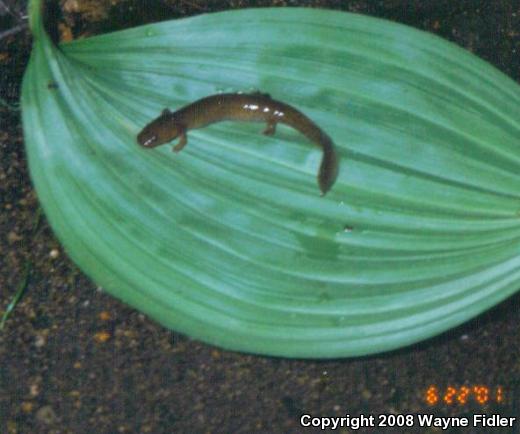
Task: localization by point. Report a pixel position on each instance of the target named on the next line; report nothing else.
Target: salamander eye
(150, 141)
(146, 140)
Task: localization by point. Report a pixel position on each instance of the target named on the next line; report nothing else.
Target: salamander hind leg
(183, 141)
(271, 128)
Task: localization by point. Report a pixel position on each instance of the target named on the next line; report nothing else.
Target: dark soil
(75, 360)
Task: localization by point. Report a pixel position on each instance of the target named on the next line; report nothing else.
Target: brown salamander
(256, 107)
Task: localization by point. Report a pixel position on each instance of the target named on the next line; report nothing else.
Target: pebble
(40, 341)
(13, 237)
(46, 415)
(34, 390)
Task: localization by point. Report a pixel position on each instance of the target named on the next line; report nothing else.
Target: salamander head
(160, 131)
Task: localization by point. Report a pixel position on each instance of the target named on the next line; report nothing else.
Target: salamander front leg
(271, 128)
(183, 141)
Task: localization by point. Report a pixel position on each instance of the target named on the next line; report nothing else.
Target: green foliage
(229, 241)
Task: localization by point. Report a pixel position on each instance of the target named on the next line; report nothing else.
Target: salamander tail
(329, 169)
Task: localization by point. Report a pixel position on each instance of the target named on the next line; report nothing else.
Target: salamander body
(256, 107)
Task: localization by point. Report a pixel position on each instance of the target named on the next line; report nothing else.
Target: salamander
(255, 107)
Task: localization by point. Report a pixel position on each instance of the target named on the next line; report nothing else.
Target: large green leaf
(229, 241)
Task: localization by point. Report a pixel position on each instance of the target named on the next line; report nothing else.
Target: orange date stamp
(461, 395)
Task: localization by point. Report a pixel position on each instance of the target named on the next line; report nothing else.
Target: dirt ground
(75, 360)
